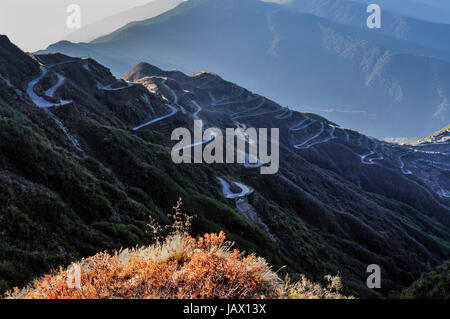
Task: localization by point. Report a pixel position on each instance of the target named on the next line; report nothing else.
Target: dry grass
(180, 267)
(305, 289)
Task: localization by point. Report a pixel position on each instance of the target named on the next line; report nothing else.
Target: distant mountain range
(105, 26)
(382, 84)
(431, 38)
(429, 10)
(85, 160)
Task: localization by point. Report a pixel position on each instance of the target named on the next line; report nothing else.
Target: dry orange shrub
(181, 267)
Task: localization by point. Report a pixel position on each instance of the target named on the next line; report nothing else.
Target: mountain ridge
(299, 59)
(107, 25)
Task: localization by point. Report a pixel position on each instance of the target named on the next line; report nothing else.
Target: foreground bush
(181, 267)
(433, 285)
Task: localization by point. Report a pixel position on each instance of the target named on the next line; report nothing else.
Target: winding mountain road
(237, 115)
(226, 189)
(212, 137)
(331, 136)
(260, 114)
(247, 163)
(402, 165)
(51, 91)
(301, 145)
(110, 88)
(365, 159)
(39, 100)
(172, 113)
(300, 127)
(43, 103)
(216, 102)
(347, 136)
(197, 111)
(285, 115)
(174, 96)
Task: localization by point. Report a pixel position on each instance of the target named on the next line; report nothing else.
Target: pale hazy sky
(34, 24)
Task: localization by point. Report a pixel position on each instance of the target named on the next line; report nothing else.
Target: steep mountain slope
(356, 77)
(105, 26)
(82, 176)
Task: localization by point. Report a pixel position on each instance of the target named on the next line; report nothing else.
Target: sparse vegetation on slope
(434, 285)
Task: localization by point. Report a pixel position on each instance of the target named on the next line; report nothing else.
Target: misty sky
(34, 24)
